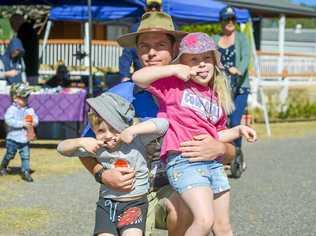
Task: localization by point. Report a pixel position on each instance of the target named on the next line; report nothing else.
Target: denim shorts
(184, 175)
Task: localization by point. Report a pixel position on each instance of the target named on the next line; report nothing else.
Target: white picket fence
(105, 55)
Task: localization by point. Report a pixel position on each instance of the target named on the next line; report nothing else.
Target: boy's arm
(147, 75)
(82, 147)
(149, 130)
(69, 146)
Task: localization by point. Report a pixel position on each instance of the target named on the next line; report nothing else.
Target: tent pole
(47, 31)
(90, 49)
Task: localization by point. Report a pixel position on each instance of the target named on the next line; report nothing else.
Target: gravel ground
(275, 196)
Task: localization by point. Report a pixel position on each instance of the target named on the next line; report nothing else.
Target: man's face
(155, 49)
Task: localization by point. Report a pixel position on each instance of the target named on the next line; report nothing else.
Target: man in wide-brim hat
(151, 22)
(156, 42)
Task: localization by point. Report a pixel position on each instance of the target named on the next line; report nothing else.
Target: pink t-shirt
(191, 109)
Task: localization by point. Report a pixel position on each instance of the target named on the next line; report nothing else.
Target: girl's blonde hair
(219, 84)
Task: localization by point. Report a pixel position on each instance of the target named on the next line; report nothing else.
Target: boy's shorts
(184, 175)
(114, 217)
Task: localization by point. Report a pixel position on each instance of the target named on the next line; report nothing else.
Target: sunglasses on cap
(233, 19)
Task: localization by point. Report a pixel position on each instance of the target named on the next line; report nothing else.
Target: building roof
(273, 8)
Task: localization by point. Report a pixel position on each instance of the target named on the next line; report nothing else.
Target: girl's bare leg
(222, 225)
(200, 202)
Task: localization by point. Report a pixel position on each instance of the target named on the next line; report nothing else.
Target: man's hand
(119, 179)
(202, 148)
(91, 144)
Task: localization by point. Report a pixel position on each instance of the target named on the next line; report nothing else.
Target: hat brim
(129, 40)
(217, 59)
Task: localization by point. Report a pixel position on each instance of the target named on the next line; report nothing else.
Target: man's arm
(204, 148)
(125, 63)
(118, 179)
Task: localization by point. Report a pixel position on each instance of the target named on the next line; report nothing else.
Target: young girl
(194, 97)
(118, 144)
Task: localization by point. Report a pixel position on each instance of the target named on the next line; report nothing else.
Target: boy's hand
(28, 124)
(249, 133)
(127, 136)
(91, 144)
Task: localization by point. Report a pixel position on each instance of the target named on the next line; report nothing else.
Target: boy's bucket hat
(196, 43)
(151, 22)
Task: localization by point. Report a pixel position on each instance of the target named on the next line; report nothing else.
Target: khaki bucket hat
(151, 22)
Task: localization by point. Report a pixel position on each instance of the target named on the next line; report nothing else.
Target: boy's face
(155, 49)
(21, 101)
(106, 133)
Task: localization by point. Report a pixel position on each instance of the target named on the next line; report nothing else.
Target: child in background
(195, 98)
(20, 120)
(118, 144)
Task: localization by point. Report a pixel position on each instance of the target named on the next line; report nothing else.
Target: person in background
(20, 119)
(61, 78)
(12, 62)
(129, 56)
(235, 51)
(27, 34)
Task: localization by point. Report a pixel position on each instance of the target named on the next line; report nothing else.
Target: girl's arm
(147, 75)
(157, 127)
(229, 135)
(69, 147)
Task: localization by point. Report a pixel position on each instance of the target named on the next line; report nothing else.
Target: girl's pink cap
(196, 43)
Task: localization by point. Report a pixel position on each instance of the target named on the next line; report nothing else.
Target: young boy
(118, 144)
(19, 119)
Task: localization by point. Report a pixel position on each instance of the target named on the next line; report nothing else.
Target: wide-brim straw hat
(151, 22)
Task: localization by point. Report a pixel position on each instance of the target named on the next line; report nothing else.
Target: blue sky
(309, 2)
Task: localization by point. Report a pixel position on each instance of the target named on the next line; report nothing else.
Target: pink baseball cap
(196, 43)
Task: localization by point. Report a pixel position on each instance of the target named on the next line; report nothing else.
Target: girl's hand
(127, 136)
(91, 144)
(249, 133)
(204, 70)
(234, 71)
(183, 72)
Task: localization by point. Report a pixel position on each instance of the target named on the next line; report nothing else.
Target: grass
(45, 162)
(286, 130)
(17, 220)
